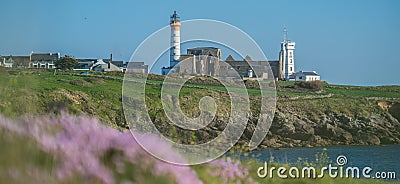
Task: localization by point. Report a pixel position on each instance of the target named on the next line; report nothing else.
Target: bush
(310, 85)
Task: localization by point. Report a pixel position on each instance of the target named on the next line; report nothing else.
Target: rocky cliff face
(290, 129)
(321, 121)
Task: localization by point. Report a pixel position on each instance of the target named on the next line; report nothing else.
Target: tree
(66, 63)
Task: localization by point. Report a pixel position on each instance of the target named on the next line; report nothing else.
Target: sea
(380, 158)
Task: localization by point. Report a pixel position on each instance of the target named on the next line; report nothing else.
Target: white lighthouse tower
(287, 51)
(175, 50)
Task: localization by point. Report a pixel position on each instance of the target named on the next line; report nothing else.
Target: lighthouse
(287, 56)
(175, 49)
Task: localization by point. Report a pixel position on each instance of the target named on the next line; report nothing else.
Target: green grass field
(40, 92)
(30, 93)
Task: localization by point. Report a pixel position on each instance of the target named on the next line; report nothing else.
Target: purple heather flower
(228, 170)
(81, 144)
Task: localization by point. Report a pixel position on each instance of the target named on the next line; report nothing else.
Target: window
(291, 60)
(291, 69)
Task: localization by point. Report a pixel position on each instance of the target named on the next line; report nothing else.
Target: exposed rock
(371, 139)
(303, 130)
(289, 129)
(326, 131)
(344, 136)
(269, 142)
(293, 129)
(316, 139)
(394, 110)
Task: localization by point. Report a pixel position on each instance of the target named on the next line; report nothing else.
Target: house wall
(307, 77)
(312, 78)
(289, 58)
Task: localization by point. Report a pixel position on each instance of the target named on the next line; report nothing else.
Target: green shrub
(310, 85)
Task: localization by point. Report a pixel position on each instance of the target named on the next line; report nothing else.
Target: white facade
(8, 63)
(43, 60)
(287, 50)
(307, 76)
(287, 56)
(289, 64)
(102, 66)
(49, 64)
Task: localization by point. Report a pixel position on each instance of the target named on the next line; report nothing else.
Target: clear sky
(347, 41)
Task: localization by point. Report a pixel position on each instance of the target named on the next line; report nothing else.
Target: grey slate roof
(205, 51)
(248, 58)
(118, 63)
(311, 73)
(229, 58)
(17, 60)
(45, 56)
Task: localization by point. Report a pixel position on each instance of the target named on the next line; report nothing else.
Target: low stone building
(206, 61)
(259, 69)
(137, 67)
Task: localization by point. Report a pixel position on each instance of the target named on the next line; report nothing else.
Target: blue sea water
(379, 158)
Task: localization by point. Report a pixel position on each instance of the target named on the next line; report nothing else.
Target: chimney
(109, 62)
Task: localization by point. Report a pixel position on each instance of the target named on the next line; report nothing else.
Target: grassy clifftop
(39, 92)
(337, 115)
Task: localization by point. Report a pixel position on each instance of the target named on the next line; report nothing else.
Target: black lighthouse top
(175, 17)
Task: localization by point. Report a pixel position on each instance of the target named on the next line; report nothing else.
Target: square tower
(286, 56)
(289, 65)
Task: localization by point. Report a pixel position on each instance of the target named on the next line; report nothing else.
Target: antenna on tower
(174, 17)
(285, 33)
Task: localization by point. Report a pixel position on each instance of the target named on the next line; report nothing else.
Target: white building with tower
(175, 49)
(282, 69)
(287, 59)
(287, 56)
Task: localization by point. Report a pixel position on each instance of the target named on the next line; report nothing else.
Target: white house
(14, 61)
(8, 63)
(307, 76)
(101, 66)
(43, 60)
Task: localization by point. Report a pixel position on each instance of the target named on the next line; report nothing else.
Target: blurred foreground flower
(85, 149)
(229, 171)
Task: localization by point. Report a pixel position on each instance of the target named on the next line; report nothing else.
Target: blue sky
(347, 42)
